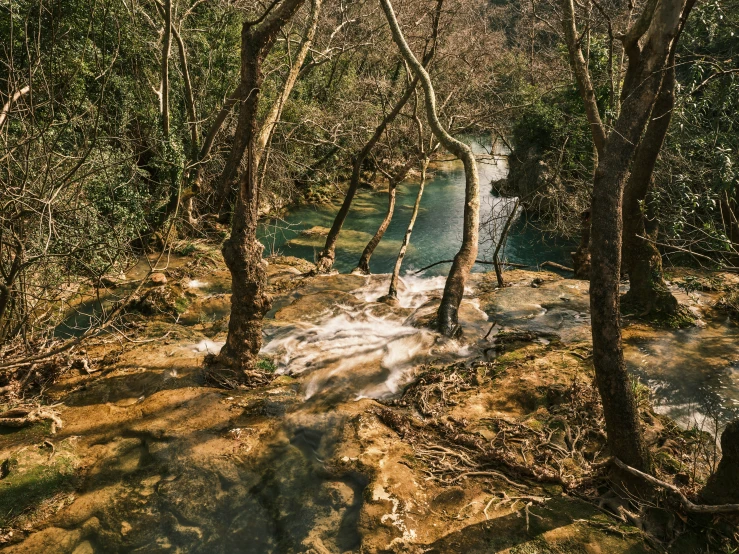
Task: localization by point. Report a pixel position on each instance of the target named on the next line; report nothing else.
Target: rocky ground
(374, 436)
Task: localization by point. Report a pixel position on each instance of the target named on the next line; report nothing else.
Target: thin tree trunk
(166, 47)
(189, 96)
(363, 265)
(275, 113)
(242, 251)
(501, 240)
(393, 289)
(648, 291)
(656, 27)
(393, 180)
(447, 317)
(326, 258)
(582, 75)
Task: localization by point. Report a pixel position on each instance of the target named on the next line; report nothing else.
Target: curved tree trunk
(648, 291)
(227, 184)
(363, 265)
(392, 292)
(242, 251)
(393, 180)
(447, 316)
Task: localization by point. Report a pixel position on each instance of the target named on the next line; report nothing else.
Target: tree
(647, 43)
(242, 251)
(642, 260)
(447, 315)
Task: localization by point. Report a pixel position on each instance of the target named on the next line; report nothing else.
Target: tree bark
(242, 251)
(447, 316)
(648, 291)
(393, 180)
(723, 486)
(656, 29)
(393, 289)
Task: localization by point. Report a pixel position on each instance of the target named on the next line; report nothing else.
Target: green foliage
(266, 365)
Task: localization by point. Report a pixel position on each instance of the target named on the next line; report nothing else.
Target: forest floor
(384, 437)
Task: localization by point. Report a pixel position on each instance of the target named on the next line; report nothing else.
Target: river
(438, 230)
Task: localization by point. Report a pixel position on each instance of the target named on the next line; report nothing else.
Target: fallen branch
(687, 505)
(481, 262)
(20, 417)
(555, 265)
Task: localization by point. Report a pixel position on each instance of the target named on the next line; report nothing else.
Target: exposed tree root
(22, 416)
(685, 504)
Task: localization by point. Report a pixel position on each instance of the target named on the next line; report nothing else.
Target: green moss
(667, 462)
(181, 304)
(28, 484)
(511, 357)
(185, 249)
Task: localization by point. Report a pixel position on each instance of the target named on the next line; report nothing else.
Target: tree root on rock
(22, 416)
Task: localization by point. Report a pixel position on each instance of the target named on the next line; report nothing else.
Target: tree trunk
(501, 241)
(392, 293)
(363, 265)
(393, 180)
(326, 258)
(657, 27)
(723, 486)
(242, 251)
(447, 316)
(648, 291)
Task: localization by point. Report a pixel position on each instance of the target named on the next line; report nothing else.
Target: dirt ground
(490, 443)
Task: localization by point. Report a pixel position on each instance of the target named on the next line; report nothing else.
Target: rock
(112, 281)
(723, 486)
(158, 278)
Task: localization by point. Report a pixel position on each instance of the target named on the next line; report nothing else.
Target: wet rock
(723, 486)
(158, 278)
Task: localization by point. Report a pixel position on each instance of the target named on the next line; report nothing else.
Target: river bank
(376, 435)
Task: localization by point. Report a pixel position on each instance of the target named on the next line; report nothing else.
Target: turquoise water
(438, 231)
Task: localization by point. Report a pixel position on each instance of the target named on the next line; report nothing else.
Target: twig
(481, 262)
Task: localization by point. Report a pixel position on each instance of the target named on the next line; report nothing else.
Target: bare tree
(447, 316)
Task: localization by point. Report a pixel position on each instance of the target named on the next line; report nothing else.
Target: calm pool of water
(438, 231)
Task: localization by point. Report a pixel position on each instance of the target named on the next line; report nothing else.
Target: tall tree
(242, 251)
(647, 44)
(447, 316)
(642, 261)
